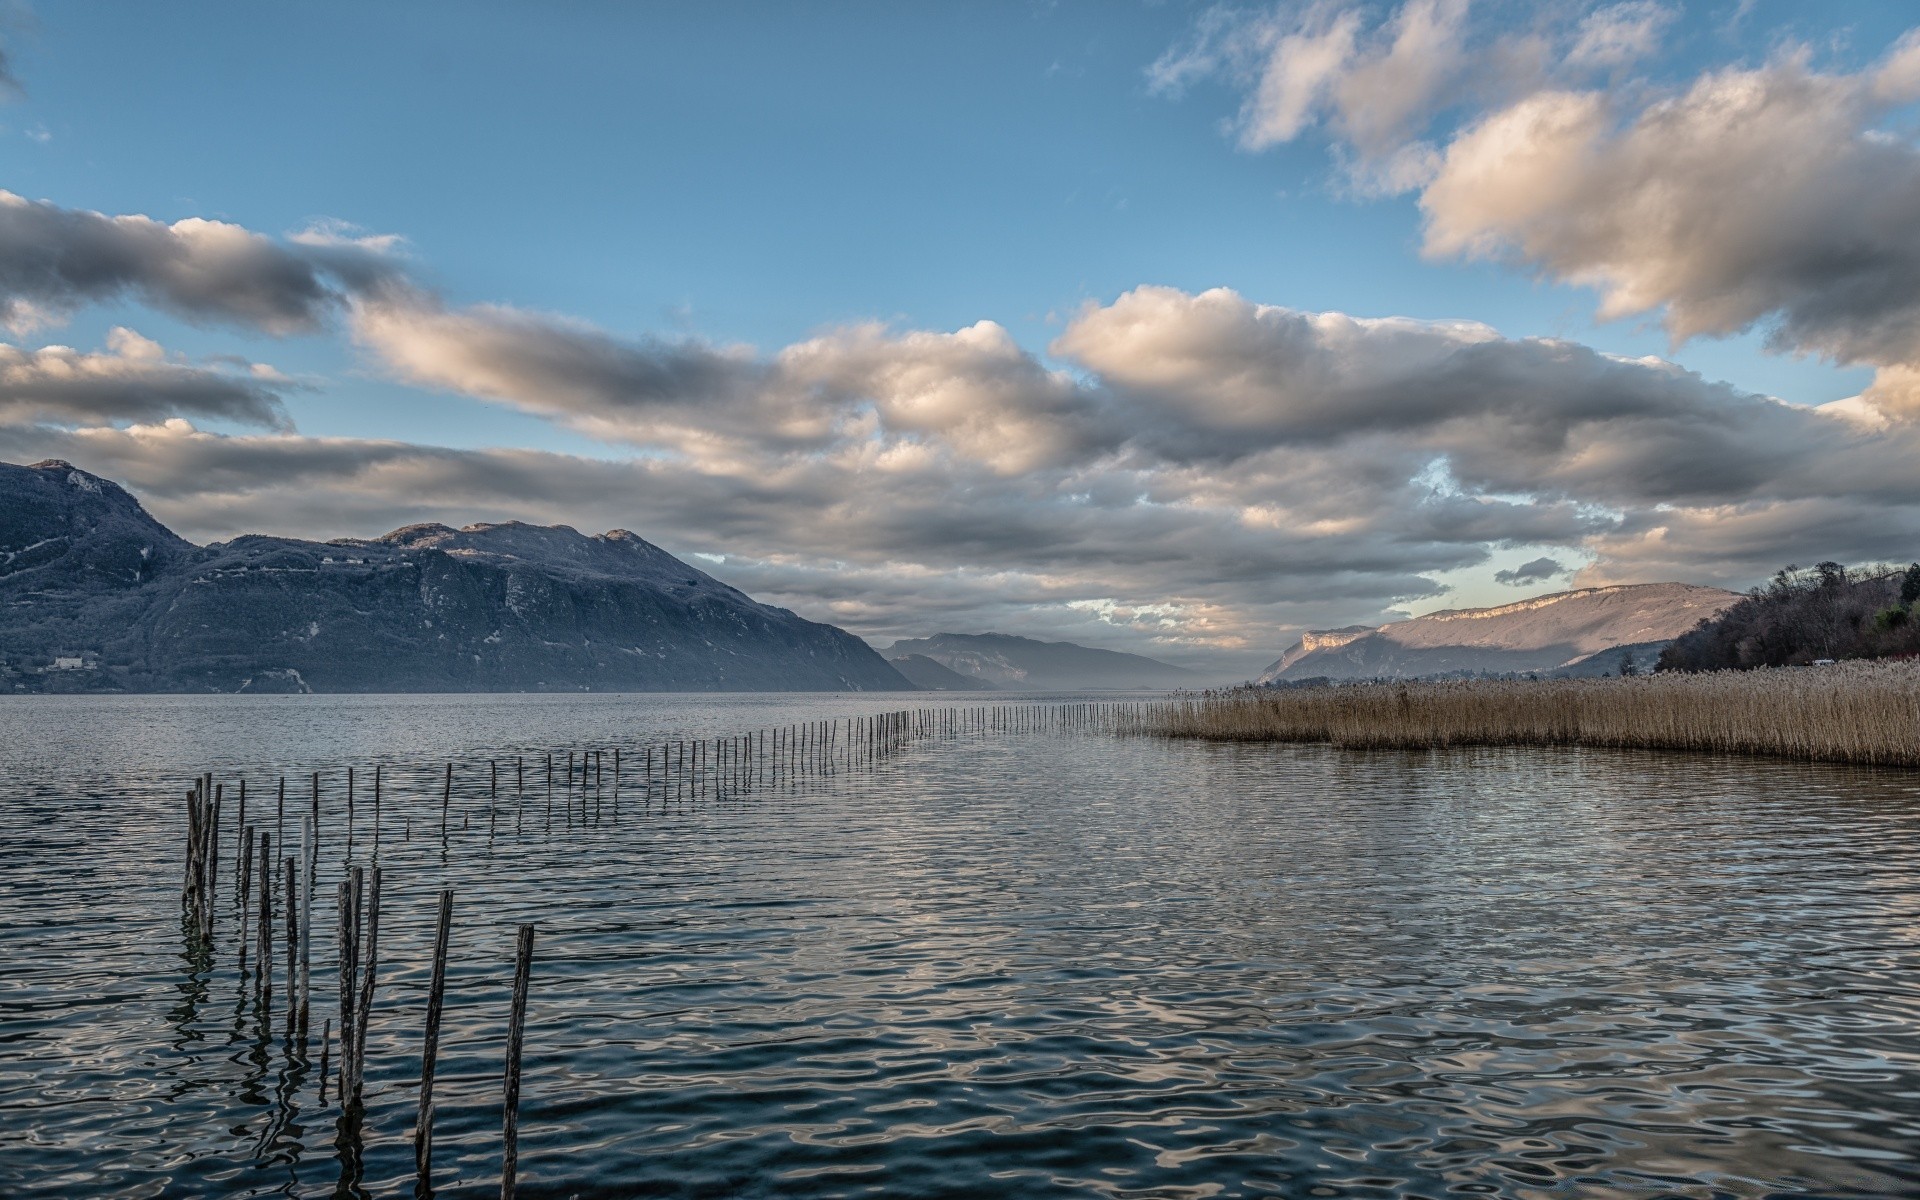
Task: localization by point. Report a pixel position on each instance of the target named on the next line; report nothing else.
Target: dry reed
(1857, 712)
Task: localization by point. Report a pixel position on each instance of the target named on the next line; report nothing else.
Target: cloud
(1377, 81)
(973, 392)
(1214, 377)
(562, 368)
(1538, 570)
(1620, 35)
(133, 381)
(54, 260)
(1756, 196)
(1780, 197)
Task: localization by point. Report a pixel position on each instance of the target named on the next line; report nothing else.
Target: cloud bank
(1190, 474)
(55, 260)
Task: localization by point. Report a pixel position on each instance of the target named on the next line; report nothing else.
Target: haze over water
(1024, 965)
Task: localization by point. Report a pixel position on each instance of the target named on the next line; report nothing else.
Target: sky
(1173, 328)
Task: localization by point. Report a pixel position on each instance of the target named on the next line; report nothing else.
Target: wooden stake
(516, 1028)
(429, 1054)
(266, 920)
(349, 959)
(363, 1010)
(326, 1044)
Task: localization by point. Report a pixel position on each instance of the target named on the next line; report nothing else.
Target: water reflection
(1007, 965)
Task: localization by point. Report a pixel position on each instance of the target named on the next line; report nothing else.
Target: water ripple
(1006, 966)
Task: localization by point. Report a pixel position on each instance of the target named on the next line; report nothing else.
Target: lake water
(1033, 964)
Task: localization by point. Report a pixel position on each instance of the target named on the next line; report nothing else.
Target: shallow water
(1023, 965)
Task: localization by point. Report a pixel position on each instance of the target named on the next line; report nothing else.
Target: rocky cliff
(97, 595)
(1585, 631)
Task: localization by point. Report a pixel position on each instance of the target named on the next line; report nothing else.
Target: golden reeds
(1856, 712)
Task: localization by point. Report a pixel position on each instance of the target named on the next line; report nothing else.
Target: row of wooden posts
(359, 911)
(679, 770)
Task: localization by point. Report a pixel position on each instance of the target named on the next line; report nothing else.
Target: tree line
(1804, 615)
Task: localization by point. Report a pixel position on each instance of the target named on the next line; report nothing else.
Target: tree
(1827, 611)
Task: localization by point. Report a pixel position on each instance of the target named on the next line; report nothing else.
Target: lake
(997, 963)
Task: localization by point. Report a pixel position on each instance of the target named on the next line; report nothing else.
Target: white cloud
(1620, 35)
(53, 260)
(1761, 197)
(1774, 197)
(133, 381)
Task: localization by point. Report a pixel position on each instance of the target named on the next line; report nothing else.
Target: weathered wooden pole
(245, 880)
(430, 1052)
(265, 964)
(516, 1029)
(292, 902)
(363, 1009)
(240, 823)
(326, 1044)
(349, 959)
(310, 862)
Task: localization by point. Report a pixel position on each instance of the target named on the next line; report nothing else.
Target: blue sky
(753, 172)
(756, 175)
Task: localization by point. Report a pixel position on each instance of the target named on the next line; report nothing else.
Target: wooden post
(516, 1028)
(265, 964)
(246, 900)
(349, 960)
(293, 941)
(363, 1010)
(310, 861)
(326, 1044)
(211, 862)
(240, 822)
(430, 1052)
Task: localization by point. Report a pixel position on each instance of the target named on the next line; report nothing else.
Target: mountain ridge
(1008, 661)
(1561, 631)
(928, 675)
(95, 594)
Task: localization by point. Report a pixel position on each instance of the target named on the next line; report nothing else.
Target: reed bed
(1866, 713)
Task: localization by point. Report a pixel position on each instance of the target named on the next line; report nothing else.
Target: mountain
(1004, 661)
(924, 673)
(1584, 631)
(97, 595)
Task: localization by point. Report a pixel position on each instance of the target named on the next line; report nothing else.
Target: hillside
(1801, 617)
(1577, 632)
(1005, 661)
(924, 673)
(97, 595)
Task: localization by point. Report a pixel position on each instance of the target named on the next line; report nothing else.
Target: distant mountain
(1581, 632)
(1004, 661)
(923, 672)
(97, 595)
